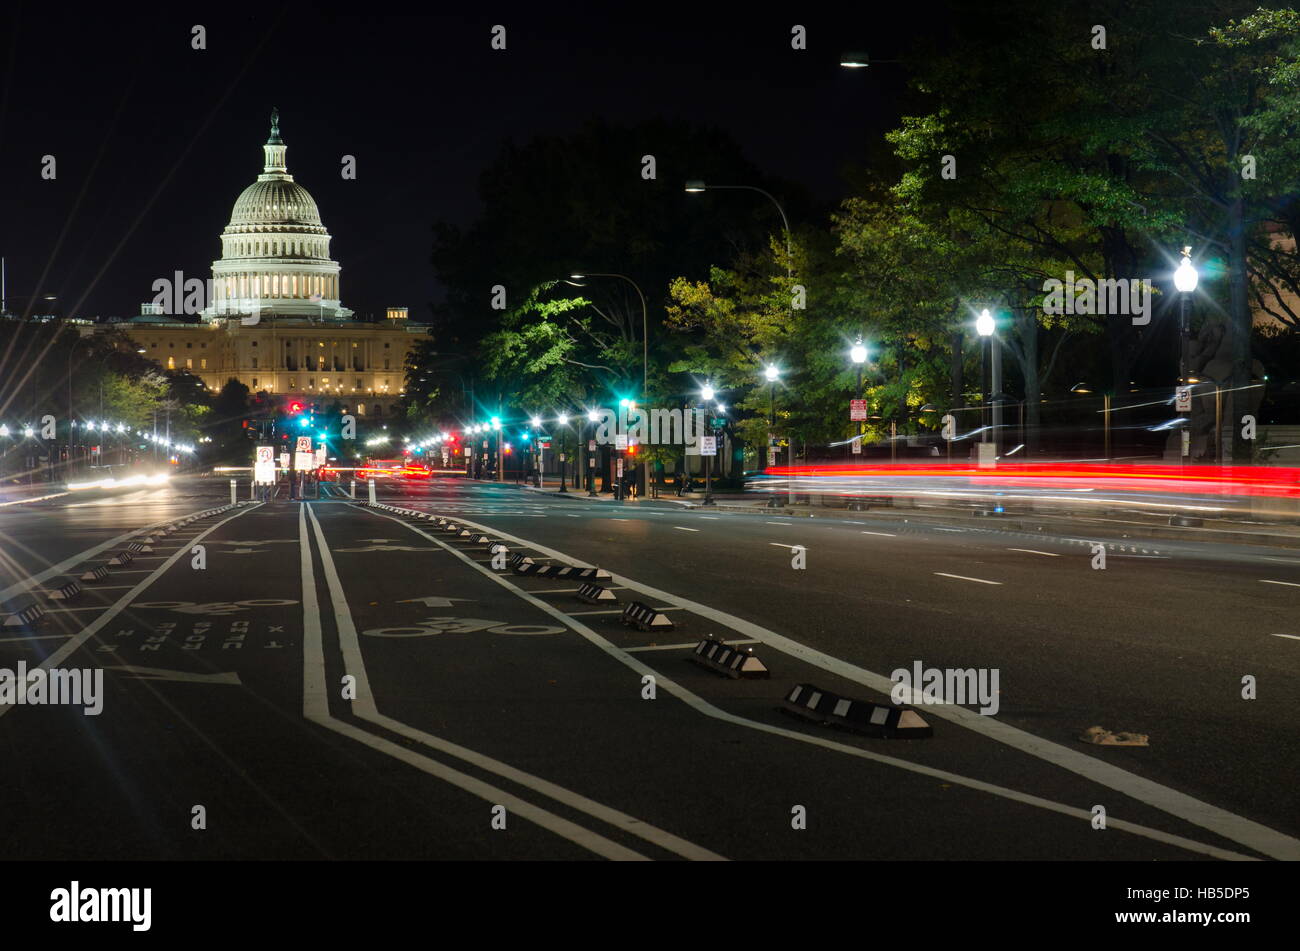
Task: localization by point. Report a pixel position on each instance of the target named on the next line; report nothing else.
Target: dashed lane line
(885, 534)
(1220, 821)
(1034, 551)
(682, 528)
(944, 574)
(1289, 584)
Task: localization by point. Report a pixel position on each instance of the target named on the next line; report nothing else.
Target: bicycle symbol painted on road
(460, 625)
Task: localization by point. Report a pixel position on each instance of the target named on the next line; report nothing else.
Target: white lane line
(884, 534)
(938, 529)
(945, 574)
(365, 708)
(89, 607)
(1289, 584)
(1034, 551)
(681, 528)
(677, 647)
(63, 566)
(711, 518)
(1294, 637)
(86, 633)
(1272, 843)
(1220, 821)
(46, 637)
(779, 545)
(779, 523)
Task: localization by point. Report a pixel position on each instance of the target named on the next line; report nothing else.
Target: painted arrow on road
(433, 601)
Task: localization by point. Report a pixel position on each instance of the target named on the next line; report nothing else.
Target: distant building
(272, 315)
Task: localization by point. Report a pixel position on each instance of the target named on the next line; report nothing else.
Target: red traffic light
(295, 408)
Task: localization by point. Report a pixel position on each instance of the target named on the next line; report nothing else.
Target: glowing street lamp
(1185, 280)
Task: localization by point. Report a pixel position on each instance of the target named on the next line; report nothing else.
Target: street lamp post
(592, 417)
(987, 328)
(1185, 280)
(772, 373)
(563, 420)
(707, 394)
(858, 354)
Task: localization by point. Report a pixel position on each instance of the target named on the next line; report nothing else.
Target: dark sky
(154, 140)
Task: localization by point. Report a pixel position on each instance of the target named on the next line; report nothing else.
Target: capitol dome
(275, 252)
(268, 205)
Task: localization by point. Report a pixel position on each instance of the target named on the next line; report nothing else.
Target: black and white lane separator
(734, 662)
(20, 612)
(592, 593)
(888, 721)
(62, 588)
(646, 618)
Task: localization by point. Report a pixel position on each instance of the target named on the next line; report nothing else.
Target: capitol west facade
(275, 321)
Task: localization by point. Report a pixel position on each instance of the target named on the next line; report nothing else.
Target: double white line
(316, 709)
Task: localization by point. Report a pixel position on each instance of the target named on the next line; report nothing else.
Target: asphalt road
(341, 681)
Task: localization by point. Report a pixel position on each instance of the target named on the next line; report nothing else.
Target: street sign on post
(1183, 399)
(303, 457)
(264, 466)
(620, 441)
(771, 455)
(708, 445)
(857, 410)
(857, 445)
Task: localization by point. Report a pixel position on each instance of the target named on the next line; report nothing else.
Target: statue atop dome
(275, 128)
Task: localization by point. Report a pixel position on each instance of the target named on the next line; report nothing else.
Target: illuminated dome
(272, 202)
(275, 253)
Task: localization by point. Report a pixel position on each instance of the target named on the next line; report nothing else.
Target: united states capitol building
(272, 316)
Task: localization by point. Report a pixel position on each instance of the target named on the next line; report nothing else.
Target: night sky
(154, 140)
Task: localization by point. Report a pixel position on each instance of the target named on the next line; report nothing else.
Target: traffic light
(295, 408)
(304, 422)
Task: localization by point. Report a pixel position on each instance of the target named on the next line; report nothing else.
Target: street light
(707, 394)
(695, 186)
(645, 327)
(1185, 280)
(1084, 388)
(773, 373)
(858, 354)
(592, 417)
(986, 327)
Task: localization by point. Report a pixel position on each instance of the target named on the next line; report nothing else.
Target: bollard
(352, 488)
(232, 491)
(252, 489)
(372, 491)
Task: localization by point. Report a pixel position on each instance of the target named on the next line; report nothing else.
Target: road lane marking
(711, 518)
(46, 637)
(681, 528)
(1289, 584)
(365, 708)
(779, 523)
(1294, 637)
(885, 534)
(1206, 815)
(676, 647)
(792, 547)
(86, 633)
(945, 574)
(63, 567)
(938, 529)
(1034, 551)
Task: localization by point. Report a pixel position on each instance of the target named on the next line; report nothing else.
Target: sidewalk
(1106, 525)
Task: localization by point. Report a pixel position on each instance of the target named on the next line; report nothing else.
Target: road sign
(320, 456)
(264, 467)
(591, 445)
(1183, 399)
(857, 410)
(620, 441)
(284, 460)
(719, 422)
(708, 446)
(857, 445)
(771, 455)
(304, 444)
